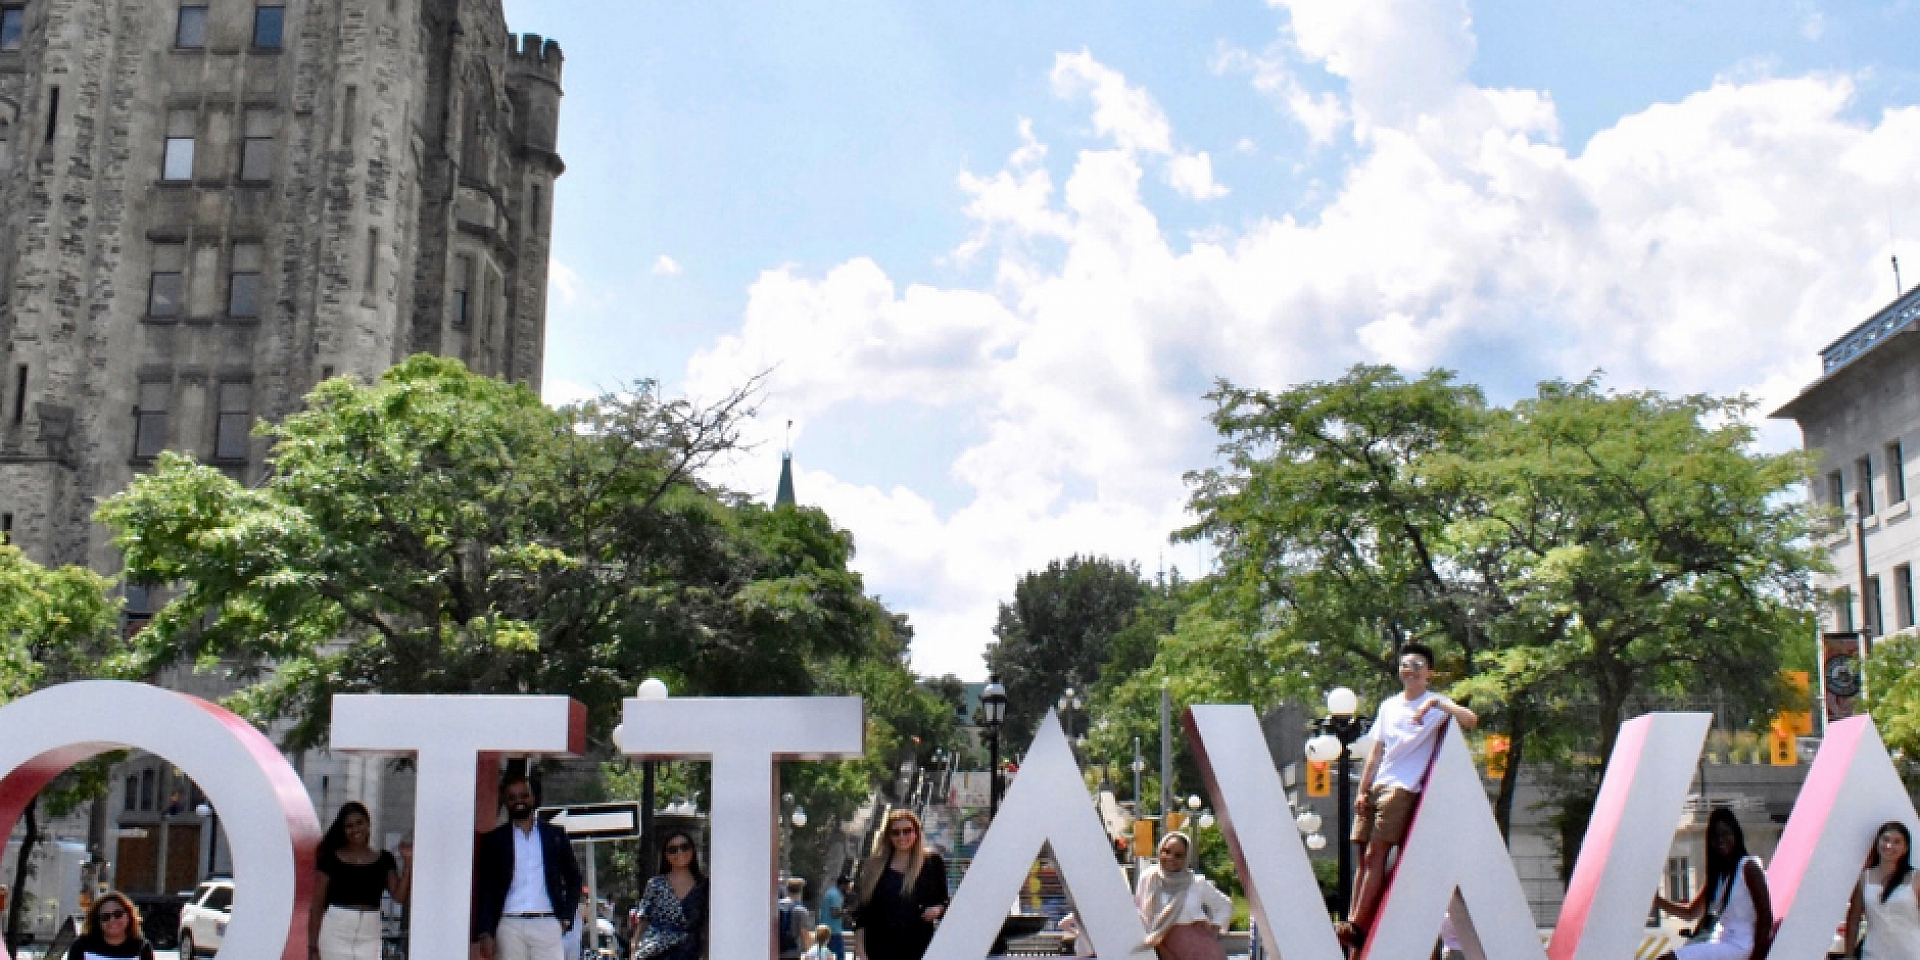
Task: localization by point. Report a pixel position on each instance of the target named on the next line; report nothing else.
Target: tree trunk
(22, 869)
(1509, 784)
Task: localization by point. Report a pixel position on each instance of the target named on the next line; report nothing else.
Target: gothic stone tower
(208, 206)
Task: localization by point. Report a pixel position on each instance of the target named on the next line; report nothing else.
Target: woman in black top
(903, 893)
(345, 924)
(113, 931)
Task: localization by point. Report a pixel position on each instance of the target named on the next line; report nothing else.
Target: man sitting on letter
(526, 883)
(1405, 734)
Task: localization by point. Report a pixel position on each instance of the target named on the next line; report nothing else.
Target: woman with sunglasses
(112, 931)
(672, 912)
(903, 893)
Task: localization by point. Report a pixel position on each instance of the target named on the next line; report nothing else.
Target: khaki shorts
(1387, 821)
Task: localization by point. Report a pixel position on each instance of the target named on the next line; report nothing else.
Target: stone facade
(1862, 420)
(211, 205)
(206, 208)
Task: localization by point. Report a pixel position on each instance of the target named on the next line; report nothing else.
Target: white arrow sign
(596, 821)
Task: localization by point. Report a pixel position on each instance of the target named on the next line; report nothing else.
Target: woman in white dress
(1735, 899)
(1170, 896)
(1885, 896)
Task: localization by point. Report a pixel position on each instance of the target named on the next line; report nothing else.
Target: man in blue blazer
(526, 883)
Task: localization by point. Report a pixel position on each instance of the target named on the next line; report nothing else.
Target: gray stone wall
(345, 176)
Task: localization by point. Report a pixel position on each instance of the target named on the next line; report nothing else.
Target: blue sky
(995, 252)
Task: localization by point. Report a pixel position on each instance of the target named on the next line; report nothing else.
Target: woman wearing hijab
(1183, 911)
(1734, 902)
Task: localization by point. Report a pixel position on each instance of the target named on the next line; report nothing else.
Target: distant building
(1862, 418)
(206, 208)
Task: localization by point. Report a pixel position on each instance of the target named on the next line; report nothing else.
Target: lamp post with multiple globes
(1341, 736)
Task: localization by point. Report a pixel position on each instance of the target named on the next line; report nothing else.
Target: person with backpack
(796, 922)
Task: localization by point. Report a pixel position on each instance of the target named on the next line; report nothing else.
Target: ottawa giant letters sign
(1452, 858)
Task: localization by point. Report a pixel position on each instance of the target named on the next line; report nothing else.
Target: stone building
(1862, 419)
(209, 206)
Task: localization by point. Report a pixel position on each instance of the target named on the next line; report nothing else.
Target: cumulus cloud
(1711, 244)
(666, 266)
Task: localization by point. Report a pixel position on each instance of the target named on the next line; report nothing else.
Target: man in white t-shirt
(1405, 733)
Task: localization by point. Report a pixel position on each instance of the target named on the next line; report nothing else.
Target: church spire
(784, 498)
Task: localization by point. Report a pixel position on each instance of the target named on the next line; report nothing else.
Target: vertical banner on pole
(1840, 673)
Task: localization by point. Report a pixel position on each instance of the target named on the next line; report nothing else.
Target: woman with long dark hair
(112, 930)
(903, 893)
(1885, 896)
(1734, 906)
(345, 922)
(672, 912)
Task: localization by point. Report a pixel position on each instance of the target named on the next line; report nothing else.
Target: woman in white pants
(346, 898)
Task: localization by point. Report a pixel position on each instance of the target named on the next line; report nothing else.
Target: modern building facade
(1862, 419)
(206, 208)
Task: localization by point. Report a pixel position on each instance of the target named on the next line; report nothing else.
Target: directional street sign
(595, 821)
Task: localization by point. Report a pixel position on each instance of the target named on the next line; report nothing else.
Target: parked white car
(203, 921)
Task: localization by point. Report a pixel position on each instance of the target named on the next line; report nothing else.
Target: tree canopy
(1057, 633)
(444, 532)
(1569, 555)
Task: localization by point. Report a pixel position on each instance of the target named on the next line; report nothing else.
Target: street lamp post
(212, 819)
(652, 688)
(993, 712)
(1339, 730)
(1139, 766)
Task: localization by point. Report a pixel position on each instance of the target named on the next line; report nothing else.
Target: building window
(150, 418)
(268, 22)
(19, 394)
(257, 150)
(243, 281)
(1863, 477)
(1903, 596)
(53, 112)
(6, 528)
(167, 288)
(146, 789)
(190, 31)
(230, 433)
(1871, 616)
(1896, 474)
(462, 289)
(371, 282)
(177, 164)
(1843, 610)
(131, 801)
(349, 111)
(13, 27)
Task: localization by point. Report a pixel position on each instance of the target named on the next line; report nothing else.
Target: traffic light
(1497, 747)
(1143, 839)
(1319, 778)
(1783, 747)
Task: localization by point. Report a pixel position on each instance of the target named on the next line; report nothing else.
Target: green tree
(56, 625)
(1568, 556)
(1056, 634)
(443, 532)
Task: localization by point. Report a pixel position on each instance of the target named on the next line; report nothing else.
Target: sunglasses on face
(902, 832)
(679, 848)
(110, 915)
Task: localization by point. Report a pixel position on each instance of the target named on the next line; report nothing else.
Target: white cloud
(666, 266)
(1192, 176)
(563, 280)
(1712, 244)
